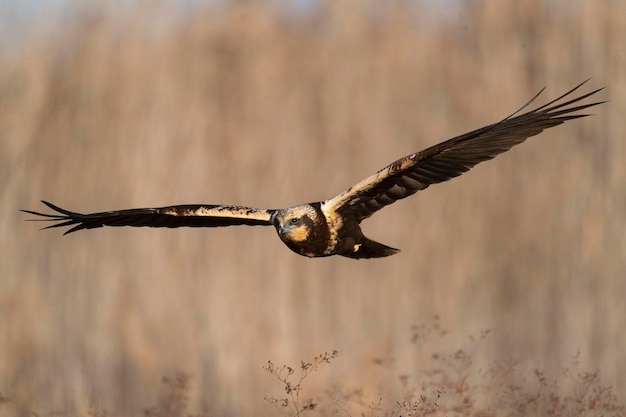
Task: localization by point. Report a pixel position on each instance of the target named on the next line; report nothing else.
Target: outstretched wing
(191, 215)
(453, 157)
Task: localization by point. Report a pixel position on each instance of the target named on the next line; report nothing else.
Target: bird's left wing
(452, 157)
(191, 215)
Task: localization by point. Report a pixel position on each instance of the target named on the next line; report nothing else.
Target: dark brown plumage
(332, 227)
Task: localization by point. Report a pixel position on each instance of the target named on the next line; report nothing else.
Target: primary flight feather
(332, 227)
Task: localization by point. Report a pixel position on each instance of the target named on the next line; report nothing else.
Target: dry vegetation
(244, 103)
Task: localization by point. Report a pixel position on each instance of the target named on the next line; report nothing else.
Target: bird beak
(280, 228)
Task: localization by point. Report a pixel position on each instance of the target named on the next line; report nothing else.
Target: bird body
(332, 227)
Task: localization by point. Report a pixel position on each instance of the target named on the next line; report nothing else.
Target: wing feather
(453, 157)
(190, 215)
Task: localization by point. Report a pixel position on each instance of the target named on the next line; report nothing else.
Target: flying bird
(332, 227)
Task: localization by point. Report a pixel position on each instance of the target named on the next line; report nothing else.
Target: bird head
(294, 223)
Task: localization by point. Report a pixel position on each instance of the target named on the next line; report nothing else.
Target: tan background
(245, 104)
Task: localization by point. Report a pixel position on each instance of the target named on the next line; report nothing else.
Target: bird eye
(294, 220)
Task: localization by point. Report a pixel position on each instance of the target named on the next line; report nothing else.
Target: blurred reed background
(256, 103)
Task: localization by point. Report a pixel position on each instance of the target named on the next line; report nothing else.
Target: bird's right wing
(190, 215)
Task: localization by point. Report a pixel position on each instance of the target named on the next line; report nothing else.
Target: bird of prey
(332, 227)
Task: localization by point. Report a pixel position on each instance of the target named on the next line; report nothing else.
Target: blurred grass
(244, 104)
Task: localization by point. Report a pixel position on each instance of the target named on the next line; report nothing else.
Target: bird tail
(370, 249)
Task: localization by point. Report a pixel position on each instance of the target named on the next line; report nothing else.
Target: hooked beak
(279, 227)
(283, 228)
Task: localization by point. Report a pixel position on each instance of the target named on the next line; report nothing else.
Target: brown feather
(451, 158)
(333, 227)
